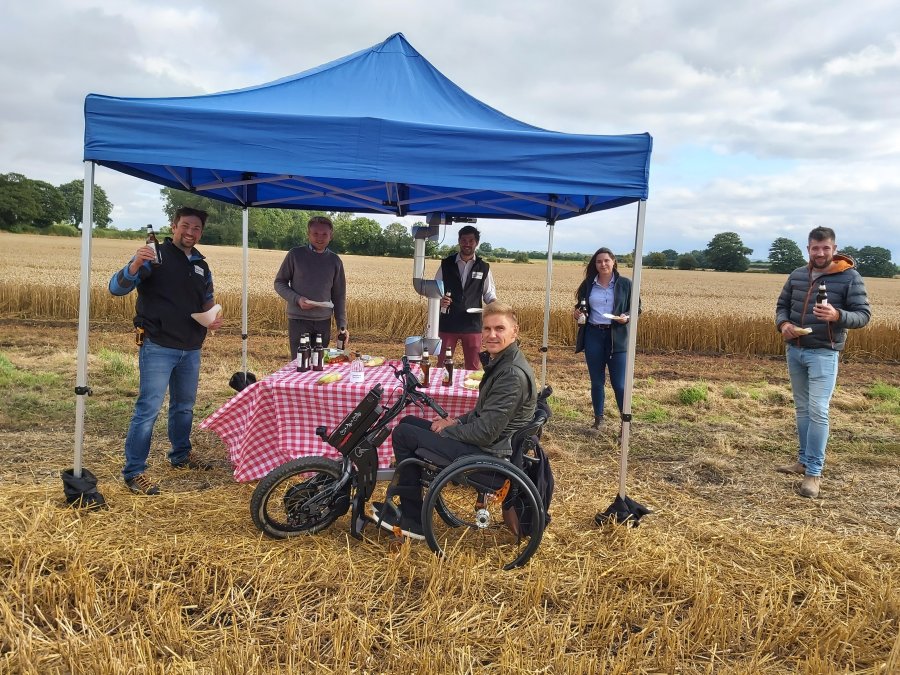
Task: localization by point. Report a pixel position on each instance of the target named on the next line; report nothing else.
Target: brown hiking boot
(141, 485)
(810, 486)
(796, 467)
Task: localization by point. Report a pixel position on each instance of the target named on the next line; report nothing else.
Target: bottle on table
(425, 364)
(306, 355)
(822, 295)
(153, 243)
(357, 370)
(583, 308)
(447, 378)
(302, 364)
(318, 354)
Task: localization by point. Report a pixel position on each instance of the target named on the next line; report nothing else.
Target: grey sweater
(314, 276)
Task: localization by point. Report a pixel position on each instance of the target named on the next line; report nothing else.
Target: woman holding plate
(603, 300)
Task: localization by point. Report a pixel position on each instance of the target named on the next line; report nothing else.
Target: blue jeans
(162, 368)
(813, 375)
(599, 357)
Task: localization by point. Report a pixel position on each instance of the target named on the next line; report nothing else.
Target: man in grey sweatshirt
(310, 276)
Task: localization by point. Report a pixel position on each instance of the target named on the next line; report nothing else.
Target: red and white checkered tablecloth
(274, 420)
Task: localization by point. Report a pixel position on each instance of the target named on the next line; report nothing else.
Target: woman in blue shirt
(603, 336)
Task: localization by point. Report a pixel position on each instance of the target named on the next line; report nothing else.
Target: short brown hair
(320, 220)
(469, 229)
(183, 211)
(503, 310)
(822, 234)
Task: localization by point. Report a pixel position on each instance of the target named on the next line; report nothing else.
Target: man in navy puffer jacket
(815, 333)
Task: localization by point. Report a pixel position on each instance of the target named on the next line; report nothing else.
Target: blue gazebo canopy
(379, 131)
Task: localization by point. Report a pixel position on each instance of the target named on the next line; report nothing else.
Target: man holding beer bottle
(173, 281)
(467, 282)
(818, 303)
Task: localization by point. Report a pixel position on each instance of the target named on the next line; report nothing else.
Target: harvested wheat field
(701, 312)
(731, 573)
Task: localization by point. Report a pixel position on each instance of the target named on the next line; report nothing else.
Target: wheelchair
(478, 506)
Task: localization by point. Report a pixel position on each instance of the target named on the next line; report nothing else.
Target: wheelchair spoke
(472, 508)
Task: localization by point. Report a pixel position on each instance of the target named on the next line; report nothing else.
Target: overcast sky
(768, 118)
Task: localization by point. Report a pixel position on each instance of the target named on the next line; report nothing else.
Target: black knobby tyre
(294, 498)
(458, 520)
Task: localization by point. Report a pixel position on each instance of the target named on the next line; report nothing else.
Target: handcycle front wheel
(463, 512)
(299, 497)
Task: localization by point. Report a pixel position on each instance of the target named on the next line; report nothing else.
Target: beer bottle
(583, 308)
(447, 379)
(307, 352)
(318, 355)
(426, 367)
(446, 310)
(821, 295)
(153, 243)
(302, 355)
(342, 339)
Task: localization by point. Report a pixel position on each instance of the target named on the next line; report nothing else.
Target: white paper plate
(324, 303)
(207, 317)
(475, 310)
(610, 316)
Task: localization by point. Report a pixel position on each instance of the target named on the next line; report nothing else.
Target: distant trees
(19, 203)
(875, 261)
(686, 261)
(727, 253)
(871, 261)
(671, 257)
(700, 257)
(360, 236)
(398, 241)
(655, 259)
(785, 256)
(521, 257)
(26, 203)
(72, 194)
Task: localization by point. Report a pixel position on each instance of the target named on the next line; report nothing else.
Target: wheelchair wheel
(468, 511)
(299, 497)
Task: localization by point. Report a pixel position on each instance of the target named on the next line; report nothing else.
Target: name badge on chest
(477, 275)
(198, 270)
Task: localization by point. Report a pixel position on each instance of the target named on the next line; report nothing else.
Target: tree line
(283, 229)
(32, 205)
(35, 204)
(727, 253)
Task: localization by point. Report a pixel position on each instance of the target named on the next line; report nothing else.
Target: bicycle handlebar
(410, 388)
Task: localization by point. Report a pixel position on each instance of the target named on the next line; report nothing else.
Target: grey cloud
(807, 82)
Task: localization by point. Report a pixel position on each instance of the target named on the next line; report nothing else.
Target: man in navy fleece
(171, 340)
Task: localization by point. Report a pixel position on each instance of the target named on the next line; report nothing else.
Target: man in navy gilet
(467, 284)
(169, 358)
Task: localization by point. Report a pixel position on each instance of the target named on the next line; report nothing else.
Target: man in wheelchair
(506, 403)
